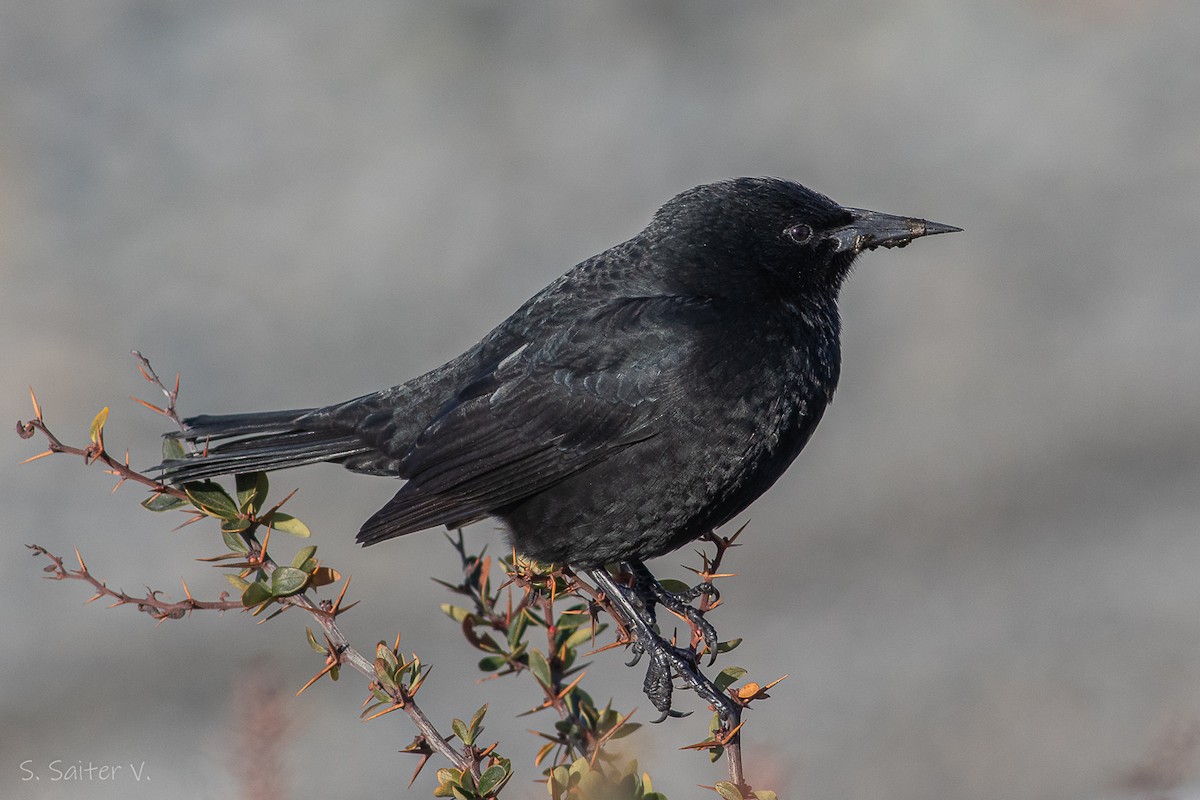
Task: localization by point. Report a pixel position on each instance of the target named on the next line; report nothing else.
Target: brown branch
(149, 603)
(92, 453)
(172, 394)
(323, 612)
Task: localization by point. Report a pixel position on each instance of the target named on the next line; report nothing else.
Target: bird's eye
(800, 234)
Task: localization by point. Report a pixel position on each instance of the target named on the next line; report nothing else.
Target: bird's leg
(650, 591)
(665, 658)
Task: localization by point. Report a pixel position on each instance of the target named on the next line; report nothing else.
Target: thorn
(39, 455)
(195, 518)
(328, 667)
(387, 710)
(608, 735)
(420, 766)
(337, 604)
(37, 410)
(262, 548)
(275, 507)
(570, 686)
(416, 684)
(186, 591)
(150, 406)
(728, 737)
(82, 565)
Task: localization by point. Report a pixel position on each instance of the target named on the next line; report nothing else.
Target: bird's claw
(667, 660)
(649, 592)
(638, 651)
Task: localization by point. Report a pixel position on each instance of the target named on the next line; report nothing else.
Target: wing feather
(537, 416)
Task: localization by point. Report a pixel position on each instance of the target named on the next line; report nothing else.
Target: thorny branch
(150, 603)
(583, 729)
(323, 612)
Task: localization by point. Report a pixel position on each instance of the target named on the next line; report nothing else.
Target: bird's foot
(649, 591)
(666, 660)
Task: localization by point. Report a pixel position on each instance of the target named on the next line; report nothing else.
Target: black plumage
(639, 401)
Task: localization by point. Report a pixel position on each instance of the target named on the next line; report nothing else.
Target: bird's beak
(871, 229)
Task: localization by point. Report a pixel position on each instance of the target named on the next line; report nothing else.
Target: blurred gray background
(983, 575)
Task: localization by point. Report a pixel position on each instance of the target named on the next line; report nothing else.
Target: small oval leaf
(256, 594)
(727, 676)
(540, 667)
(286, 523)
(96, 431)
(234, 542)
(234, 526)
(286, 581)
(492, 779)
(173, 449)
(239, 583)
(251, 491)
(727, 790)
(163, 502)
(492, 663)
(674, 587)
(304, 555)
(211, 498)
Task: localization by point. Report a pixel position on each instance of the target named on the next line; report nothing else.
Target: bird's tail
(235, 444)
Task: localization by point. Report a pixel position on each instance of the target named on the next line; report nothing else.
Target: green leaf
(580, 637)
(728, 791)
(448, 775)
(163, 502)
(560, 778)
(209, 497)
(476, 725)
(234, 542)
(313, 643)
(385, 678)
(492, 663)
(304, 555)
(96, 431)
(238, 582)
(516, 630)
(460, 730)
(251, 491)
(725, 647)
(455, 613)
(256, 594)
(764, 794)
(289, 524)
(173, 449)
(727, 676)
(492, 779)
(540, 668)
(382, 651)
(673, 586)
(287, 581)
(626, 729)
(234, 525)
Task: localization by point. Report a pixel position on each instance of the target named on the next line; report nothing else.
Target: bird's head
(747, 236)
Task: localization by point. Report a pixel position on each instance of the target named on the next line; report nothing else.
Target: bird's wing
(543, 412)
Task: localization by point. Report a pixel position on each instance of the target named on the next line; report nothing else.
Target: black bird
(638, 402)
